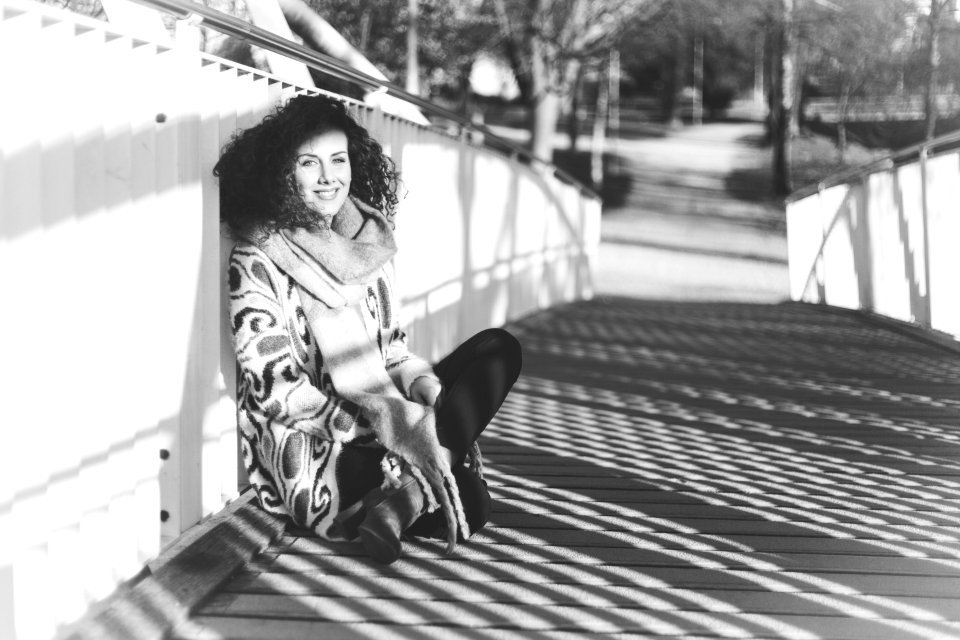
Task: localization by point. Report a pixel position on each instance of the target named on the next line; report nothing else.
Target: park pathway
(689, 215)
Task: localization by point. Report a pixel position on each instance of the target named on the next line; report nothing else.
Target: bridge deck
(670, 468)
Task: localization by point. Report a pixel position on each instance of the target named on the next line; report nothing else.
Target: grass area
(814, 157)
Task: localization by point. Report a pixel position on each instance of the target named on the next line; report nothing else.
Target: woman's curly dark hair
(257, 191)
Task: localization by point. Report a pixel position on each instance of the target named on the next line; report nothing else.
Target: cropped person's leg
(476, 378)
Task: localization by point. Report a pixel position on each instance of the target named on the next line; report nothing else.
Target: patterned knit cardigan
(294, 427)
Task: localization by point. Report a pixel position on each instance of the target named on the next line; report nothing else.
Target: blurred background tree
(855, 49)
(547, 43)
(657, 51)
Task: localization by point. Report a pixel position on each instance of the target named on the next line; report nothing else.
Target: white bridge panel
(884, 243)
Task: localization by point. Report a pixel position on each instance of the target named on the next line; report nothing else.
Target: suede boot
(349, 519)
(388, 515)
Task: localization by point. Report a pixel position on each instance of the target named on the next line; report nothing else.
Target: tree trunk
(364, 29)
(781, 113)
(678, 74)
(467, 100)
(613, 123)
(842, 122)
(546, 111)
(771, 72)
(599, 132)
(796, 82)
(413, 63)
(933, 69)
(675, 118)
(573, 118)
(546, 101)
(615, 72)
(512, 49)
(698, 80)
(758, 67)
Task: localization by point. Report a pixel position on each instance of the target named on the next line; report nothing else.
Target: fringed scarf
(332, 267)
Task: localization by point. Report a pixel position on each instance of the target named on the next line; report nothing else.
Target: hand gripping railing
(230, 25)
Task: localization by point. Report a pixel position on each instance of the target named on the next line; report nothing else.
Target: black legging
(476, 378)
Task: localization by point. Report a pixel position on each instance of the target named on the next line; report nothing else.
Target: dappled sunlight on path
(672, 469)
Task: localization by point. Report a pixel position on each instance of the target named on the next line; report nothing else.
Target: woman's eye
(339, 160)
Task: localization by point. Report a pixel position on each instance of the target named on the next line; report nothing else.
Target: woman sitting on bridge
(344, 429)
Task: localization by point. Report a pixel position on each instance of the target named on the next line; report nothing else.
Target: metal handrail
(887, 162)
(230, 25)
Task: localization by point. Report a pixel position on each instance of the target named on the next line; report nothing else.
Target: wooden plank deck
(670, 469)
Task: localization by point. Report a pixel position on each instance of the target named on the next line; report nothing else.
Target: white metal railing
(883, 238)
(118, 371)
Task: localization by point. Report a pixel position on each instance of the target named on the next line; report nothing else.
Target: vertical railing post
(820, 264)
(866, 285)
(926, 320)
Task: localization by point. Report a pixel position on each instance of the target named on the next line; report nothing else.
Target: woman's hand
(425, 390)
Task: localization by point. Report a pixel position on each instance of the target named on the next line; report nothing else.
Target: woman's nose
(323, 172)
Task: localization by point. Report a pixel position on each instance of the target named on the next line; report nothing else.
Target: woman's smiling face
(322, 172)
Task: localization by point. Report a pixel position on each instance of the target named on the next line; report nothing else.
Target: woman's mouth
(326, 194)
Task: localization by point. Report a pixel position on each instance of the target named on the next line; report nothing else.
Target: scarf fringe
(461, 515)
(476, 460)
(453, 511)
(432, 504)
(447, 499)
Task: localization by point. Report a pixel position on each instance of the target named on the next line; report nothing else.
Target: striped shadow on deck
(671, 469)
